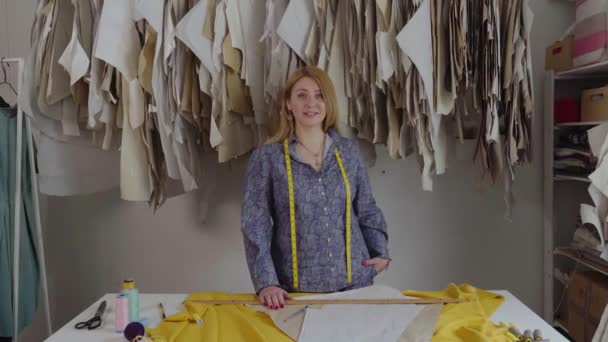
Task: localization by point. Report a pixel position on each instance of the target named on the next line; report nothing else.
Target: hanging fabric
(29, 274)
(204, 77)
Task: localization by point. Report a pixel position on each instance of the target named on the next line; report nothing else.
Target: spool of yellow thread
(512, 337)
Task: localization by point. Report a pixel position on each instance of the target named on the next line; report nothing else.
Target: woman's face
(306, 103)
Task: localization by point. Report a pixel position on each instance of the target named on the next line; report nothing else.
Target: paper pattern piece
(361, 323)
(116, 25)
(295, 25)
(211, 75)
(589, 216)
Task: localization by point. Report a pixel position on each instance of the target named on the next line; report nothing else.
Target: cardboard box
(567, 110)
(578, 292)
(598, 300)
(590, 38)
(594, 104)
(588, 296)
(576, 326)
(558, 56)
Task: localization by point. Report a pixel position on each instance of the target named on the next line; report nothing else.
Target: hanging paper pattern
(164, 83)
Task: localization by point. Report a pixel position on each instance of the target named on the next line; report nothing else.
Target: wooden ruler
(336, 301)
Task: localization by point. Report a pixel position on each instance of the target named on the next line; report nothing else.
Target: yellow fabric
(468, 321)
(219, 322)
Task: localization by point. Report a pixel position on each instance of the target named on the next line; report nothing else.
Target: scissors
(94, 322)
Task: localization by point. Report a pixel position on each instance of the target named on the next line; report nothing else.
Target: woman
(300, 233)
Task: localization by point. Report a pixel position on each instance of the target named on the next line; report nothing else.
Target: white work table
(511, 311)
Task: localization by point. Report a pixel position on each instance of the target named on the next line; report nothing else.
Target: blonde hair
(286, 125)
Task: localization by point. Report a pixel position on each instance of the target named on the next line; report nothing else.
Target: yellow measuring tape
(292, 215)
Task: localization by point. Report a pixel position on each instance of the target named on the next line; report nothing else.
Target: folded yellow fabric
(218, 322)
(468, 321)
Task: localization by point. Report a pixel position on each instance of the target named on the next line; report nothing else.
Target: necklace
(317, 156)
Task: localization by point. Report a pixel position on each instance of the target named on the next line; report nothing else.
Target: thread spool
(133, 330)
(518, 334)
(122, 313)
(528, 335)
(511, 337)
(129, 289)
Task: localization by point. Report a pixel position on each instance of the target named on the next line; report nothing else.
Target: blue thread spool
(128, 288)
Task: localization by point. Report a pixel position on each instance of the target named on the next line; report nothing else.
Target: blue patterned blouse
(320, 205)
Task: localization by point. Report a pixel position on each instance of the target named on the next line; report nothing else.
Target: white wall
(455, 234)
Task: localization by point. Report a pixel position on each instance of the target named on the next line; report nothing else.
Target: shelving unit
(571, 124)
(588, 260)
(597, 70)
(564, 178)
(561, 325)
(563, 194)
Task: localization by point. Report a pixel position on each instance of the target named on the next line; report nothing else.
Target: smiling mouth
(311, 113)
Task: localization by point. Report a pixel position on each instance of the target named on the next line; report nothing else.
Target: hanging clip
(4, 76)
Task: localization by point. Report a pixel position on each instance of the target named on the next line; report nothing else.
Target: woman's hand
(379, 264)
(273, 297)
